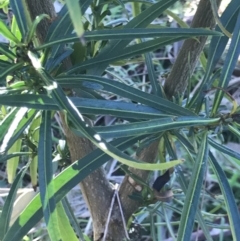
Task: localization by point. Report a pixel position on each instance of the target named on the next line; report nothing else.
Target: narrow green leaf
(231, 206)
(63, 21)
(6, 122)
(234, 130)
(46, 186)
(151, 126)
(152, 76)
(5, 51)
(229, 65)
(15, 30)
(76, 16)
(9, 70)
(100, 84)
(85, 105)
(4, 158)
(33, 28)
(5, 31)
(184, 185)
(19, 10)
(64, 182)
(8, 204)
(224, 149)
(4, 3)
(62, 25)
(22, 119)
(66, 229)
(193, 192)
(131, 34)
(42, 102)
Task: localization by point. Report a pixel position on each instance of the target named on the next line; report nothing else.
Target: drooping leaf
(33, 27)
(224, 149)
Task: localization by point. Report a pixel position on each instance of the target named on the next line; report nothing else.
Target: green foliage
(34, 83)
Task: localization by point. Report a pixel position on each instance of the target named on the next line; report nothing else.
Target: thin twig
(121, 211)
(109, 216)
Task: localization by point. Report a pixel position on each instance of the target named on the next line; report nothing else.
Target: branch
(188, 56)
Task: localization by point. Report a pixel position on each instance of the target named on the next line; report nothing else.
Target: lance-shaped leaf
(131, 34)
(76, 16)
(10, 70)
(184, 185)
(19, 10)
(224, 149)
(66, 229)
(6, 122)
(231, 206)
(85, 105)
(18, 125)
(5, 31)
(5, 51)
(100, 84)
(8, 204)
(151, 126)
(46, 185)
(193, 192)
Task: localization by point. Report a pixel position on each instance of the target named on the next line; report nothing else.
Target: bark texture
(188, 56)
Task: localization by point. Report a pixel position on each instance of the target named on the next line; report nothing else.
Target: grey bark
(188, 56)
